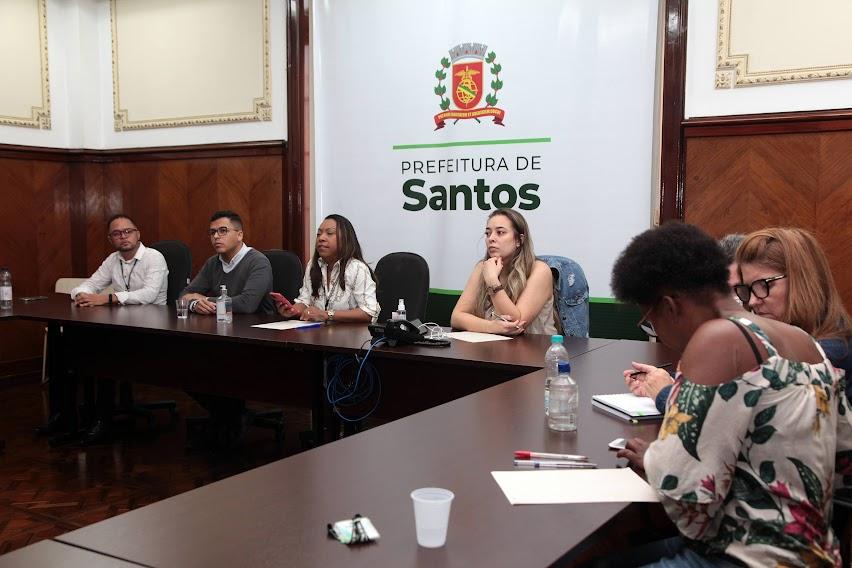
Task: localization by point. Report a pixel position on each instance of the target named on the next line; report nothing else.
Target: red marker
(528, 455)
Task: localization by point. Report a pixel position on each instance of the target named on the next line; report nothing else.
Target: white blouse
(359, 292)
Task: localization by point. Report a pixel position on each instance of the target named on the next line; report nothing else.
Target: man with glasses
(245, 271)
(136, 273)
(139, 275)
(247, 275)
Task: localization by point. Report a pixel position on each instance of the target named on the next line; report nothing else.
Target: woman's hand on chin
(491, 269)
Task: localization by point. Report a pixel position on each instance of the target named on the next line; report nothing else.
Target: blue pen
(309, 326)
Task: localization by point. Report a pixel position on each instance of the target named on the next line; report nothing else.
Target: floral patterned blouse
(747, 467)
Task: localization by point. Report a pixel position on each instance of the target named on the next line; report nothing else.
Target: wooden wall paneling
(233, 186)
(265, 204)
(140, 194)
(97, 188)
(175, 209)
(19, 229)
(834, 208)
(203, 198)
(51, 181)
(57, 202)
(742, 183)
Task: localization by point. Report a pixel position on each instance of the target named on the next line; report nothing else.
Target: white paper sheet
(289, 324)
(477, 337)
(574, 486)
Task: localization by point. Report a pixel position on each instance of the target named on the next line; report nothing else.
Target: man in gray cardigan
(245, 271)
(247, 275)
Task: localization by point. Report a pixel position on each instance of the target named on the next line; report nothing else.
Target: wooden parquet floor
(46, 491)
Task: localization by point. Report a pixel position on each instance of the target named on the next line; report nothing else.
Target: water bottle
(5, 288)
(400, 310)
(224, 307)
(563, 401)
(555, 355)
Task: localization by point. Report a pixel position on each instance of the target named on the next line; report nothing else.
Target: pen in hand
(663, 366)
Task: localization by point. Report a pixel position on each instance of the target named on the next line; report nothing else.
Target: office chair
(402, 275)
(286, 280)
(570, 296)
(179, 261)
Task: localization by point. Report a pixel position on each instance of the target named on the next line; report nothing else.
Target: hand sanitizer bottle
(224, 307)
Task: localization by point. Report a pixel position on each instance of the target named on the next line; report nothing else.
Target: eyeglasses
(221, 231)
(119, 232)
(760, 288)
(646, 325)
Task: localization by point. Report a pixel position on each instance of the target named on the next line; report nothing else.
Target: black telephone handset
(404, 331)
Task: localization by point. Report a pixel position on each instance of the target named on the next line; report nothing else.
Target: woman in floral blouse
(745, 458)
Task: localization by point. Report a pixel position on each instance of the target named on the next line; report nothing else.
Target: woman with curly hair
(509, 291)
(745, 457)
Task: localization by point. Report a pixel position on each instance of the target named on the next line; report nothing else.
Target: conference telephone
(404, 332)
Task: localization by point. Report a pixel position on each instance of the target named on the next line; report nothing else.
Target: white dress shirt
(229, 266)
(360, 291)
(140, 280)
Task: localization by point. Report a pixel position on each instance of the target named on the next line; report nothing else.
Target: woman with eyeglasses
(744, 462)
(785, 276)
(338, 285)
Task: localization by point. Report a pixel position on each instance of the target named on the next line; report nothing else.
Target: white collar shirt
(141, 280)
(229, 266)
(359, 292)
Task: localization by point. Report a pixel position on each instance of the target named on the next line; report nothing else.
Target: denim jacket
(570, 295)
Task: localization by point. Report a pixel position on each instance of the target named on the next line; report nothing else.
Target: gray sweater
(249, 284)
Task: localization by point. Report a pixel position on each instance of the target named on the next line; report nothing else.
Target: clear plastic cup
(432, 515)
(182, 306)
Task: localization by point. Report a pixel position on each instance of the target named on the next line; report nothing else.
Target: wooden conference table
(276, 515)
(199, 355)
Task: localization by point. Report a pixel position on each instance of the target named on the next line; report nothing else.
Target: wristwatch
(330, 314)
(494, 289)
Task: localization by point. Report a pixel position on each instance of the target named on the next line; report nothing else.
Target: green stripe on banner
(473, 143)
(444, 292)
(603, 301)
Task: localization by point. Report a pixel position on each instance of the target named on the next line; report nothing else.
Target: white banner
(428, 115)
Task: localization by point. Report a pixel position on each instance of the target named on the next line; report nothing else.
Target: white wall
(80, 64)
(703, 99)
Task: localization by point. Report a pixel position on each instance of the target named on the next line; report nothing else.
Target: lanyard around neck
(129, 274)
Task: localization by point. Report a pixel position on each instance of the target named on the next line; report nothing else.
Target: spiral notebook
(627, 406)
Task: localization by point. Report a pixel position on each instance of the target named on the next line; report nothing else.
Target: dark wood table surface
(524, 352)
(276, 515)
(50, 554)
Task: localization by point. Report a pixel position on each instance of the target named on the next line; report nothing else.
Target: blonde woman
(509, 291)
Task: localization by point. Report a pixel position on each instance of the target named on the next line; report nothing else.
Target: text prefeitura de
(461, 165)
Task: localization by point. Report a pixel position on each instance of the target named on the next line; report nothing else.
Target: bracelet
(494, 289)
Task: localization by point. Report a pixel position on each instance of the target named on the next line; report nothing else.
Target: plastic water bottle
(555, 355)
(563, 401)
(400, 310)
(224, 307)
(5, 288)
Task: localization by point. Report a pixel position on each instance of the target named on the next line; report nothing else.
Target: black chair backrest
(402, 275)
(179, 260)
(286, 272)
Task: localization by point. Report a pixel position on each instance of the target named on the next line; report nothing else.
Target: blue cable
(339, 395)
